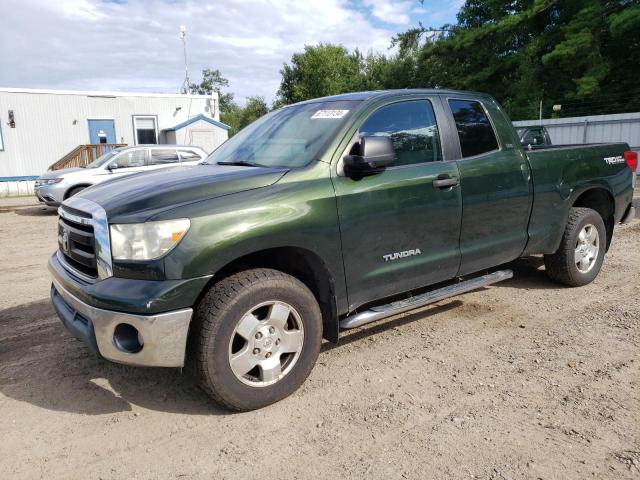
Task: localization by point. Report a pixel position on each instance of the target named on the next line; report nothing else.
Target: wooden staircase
(83, 155)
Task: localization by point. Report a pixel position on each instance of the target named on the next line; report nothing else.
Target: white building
(39, 127)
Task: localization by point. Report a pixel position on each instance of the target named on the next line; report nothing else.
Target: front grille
(76, 212)
(76, 242)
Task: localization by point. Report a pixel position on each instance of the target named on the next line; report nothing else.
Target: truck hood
(138, 197)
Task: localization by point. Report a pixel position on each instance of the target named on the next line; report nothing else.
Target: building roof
(196, 119)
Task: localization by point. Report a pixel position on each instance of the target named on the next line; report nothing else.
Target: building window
(145, 129)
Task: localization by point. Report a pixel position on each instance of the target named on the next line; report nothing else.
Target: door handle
(446, 182)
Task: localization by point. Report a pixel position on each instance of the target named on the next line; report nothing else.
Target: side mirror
(113, 166)
(376, 153)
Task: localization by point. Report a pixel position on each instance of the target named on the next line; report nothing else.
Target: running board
(401, 306)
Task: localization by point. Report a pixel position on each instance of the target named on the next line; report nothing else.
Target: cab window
(474, 128)
(412, 128)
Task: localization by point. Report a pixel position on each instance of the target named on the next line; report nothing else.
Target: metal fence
(619, 127)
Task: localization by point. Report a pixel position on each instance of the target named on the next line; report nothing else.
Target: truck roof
(368, 95)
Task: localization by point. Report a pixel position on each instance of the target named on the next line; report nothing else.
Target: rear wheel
(255, 338)
(581, 253)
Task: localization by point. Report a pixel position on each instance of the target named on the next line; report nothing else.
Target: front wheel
(255, 337)
(581, 253)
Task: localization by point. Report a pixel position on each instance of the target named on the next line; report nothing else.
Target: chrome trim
(164, 334)
(402, 306)
(74, 218)
(73, 271)
(100, 232)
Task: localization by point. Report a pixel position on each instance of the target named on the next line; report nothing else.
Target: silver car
(55, 186)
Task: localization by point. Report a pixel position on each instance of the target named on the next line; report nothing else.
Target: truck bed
(563, 172)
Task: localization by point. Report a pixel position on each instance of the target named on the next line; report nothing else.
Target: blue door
(102, 131)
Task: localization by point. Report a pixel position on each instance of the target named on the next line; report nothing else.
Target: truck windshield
(290, 137)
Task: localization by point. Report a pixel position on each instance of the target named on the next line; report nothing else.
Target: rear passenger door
(495, 183)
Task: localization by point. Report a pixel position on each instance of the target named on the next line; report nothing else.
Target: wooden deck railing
(83, 155)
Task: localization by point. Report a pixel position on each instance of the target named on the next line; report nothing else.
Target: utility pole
(186, 85)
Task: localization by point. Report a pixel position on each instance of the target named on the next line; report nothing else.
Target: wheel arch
(301, 263)
(601, 200)
(73, 187)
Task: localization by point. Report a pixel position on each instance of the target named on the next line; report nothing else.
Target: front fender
(298, 211)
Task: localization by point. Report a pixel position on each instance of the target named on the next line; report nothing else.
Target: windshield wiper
(241, 163)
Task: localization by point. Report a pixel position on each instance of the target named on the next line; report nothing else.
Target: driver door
(399, 230)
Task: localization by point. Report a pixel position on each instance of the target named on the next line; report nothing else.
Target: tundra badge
(407, 253)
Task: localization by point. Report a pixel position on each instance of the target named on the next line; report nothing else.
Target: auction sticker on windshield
(330, 114)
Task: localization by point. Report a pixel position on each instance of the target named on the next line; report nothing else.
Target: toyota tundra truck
(322, 216)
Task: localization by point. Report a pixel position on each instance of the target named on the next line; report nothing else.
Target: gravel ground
(524, 379)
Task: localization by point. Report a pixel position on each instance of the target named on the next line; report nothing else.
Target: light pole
(186, 85)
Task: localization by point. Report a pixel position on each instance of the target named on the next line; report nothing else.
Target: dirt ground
(524, 379)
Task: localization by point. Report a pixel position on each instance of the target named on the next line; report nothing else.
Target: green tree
(577, 53)
(321, 70)
(238, 117)
(234, 115)
(213, 81)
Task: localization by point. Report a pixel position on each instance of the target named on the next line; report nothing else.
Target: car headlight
(146, 241)
(49, 181)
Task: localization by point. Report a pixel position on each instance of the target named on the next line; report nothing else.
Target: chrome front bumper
(163, 336)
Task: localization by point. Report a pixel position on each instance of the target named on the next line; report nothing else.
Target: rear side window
(162, 156)
(412, 128)
(474, 128)
(189, 156)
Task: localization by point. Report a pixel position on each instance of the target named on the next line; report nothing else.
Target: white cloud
(135, 45)
(391, 12)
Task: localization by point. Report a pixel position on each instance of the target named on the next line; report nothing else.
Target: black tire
(74, 191)
(214, 323)
(561, 266)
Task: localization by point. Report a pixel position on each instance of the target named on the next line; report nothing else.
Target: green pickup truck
(322, 216)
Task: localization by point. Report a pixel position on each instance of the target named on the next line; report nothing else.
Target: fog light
(127, 338)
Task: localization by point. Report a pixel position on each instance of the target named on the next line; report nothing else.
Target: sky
(134, 45)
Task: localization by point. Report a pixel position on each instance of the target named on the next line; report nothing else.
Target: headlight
(49, 181)
(146, 241)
